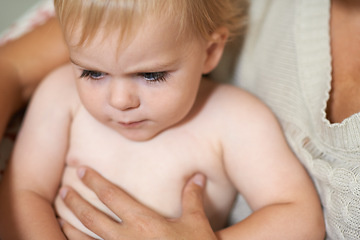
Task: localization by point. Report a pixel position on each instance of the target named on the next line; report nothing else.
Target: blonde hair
(199, 17)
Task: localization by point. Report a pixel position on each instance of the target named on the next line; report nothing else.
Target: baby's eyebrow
(148, 66)
(74, 62)
(81, 65)
(157, 66)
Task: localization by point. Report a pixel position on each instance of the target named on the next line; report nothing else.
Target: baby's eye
(154, 76)
(94, 75)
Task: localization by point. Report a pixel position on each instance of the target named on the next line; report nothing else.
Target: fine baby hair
(192, 18)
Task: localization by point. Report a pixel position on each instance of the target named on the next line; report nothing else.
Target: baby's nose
(124, 95)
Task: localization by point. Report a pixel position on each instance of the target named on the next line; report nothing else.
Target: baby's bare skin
(155, 171)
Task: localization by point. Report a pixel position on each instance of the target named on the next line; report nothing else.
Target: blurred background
(10, 10)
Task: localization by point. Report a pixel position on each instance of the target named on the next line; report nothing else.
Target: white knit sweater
(286, 62)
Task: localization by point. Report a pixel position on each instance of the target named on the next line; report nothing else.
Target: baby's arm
(31, 181)
(264, 169)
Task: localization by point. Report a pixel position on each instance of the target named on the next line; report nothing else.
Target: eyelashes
(154, 76)
(151, 77)
(94, 75)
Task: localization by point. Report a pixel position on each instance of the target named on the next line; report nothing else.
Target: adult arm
(24, 62)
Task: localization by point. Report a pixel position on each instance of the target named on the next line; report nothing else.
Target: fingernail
(63, 192)
(81, 172)
(61, 222)
(199, 179)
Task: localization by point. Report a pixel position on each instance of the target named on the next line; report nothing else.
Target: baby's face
(146, 86)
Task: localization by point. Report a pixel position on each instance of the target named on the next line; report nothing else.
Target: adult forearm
(24, 62)
(280, 221)
(10, 94)
(26, 215)
(35, 54)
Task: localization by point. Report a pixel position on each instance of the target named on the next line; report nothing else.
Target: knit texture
(286, 62)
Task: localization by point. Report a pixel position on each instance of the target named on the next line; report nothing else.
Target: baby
(134, 105)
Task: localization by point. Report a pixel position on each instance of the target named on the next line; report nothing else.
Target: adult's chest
(345, 50)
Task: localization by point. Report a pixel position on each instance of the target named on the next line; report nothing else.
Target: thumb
(192, 200)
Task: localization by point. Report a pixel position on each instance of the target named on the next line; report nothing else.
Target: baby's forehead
(148, 40)
(121, 35)
(88, 21)
(124, 30)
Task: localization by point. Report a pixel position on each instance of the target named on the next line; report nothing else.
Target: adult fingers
(116, 199)
(193, 195)
(141, 223)
(72, 233)
(92, 218)
(194, 219)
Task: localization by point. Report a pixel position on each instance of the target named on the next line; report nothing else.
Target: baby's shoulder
(61, 79)
(59, 87)
(235, 104)
(237, 116)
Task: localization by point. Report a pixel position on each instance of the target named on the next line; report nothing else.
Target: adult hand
(138, 221)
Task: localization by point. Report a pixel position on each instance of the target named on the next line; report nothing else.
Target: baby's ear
(215, 49)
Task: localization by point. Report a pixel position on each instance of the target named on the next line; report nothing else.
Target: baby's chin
(142, 132)
(139, 135)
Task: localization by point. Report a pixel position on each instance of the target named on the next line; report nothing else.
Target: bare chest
(155, 171)
(345, 50)
(344, 99)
